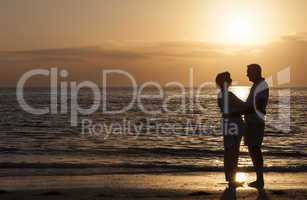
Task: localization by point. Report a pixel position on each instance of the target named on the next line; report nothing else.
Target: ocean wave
(79, 169)
(180, 152)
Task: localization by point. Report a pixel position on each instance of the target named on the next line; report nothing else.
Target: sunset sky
(150, 38)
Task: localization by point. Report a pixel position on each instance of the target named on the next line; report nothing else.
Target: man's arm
(249, 107)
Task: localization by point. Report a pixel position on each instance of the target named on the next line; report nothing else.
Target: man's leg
(257, 159)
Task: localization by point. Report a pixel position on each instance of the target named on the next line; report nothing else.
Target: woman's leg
(226, 164)
(231, 157)
(230, 163)
(236, 160)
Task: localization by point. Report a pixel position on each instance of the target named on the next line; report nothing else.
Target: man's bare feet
(257, 184)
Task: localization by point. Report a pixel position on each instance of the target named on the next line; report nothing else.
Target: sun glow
(241, 177)
(240, 91)
(240, 30)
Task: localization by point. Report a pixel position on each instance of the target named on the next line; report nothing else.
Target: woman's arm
(237, 107)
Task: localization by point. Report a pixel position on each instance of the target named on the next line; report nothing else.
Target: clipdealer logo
(64, 90)
(64, 96)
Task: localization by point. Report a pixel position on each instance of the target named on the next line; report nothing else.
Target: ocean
(183, 138)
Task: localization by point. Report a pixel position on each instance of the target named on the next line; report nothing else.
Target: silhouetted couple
(251, 127)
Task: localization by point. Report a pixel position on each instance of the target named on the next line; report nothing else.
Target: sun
(240, 30)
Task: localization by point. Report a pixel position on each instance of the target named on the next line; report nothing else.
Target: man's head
(254, 72)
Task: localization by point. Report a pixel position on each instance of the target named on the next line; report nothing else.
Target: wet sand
(207, 185)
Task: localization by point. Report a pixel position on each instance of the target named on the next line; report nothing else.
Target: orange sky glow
(150, 38)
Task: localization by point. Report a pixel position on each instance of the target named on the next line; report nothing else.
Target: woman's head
(223, 80)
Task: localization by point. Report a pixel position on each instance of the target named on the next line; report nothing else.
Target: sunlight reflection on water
(240, 91)
(241, 177)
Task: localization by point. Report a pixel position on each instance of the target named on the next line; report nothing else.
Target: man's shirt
(257, 102)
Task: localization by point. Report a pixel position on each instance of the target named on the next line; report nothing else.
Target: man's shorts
(254, 134)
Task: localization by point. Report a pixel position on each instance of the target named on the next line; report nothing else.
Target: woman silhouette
(233, 126)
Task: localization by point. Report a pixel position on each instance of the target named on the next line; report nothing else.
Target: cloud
(298, 36)
(72, 54)
(111, 53)
(147, 61)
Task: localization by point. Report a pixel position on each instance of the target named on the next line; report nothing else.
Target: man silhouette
(254, 117)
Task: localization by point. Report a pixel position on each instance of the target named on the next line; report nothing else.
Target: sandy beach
(208, 185)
